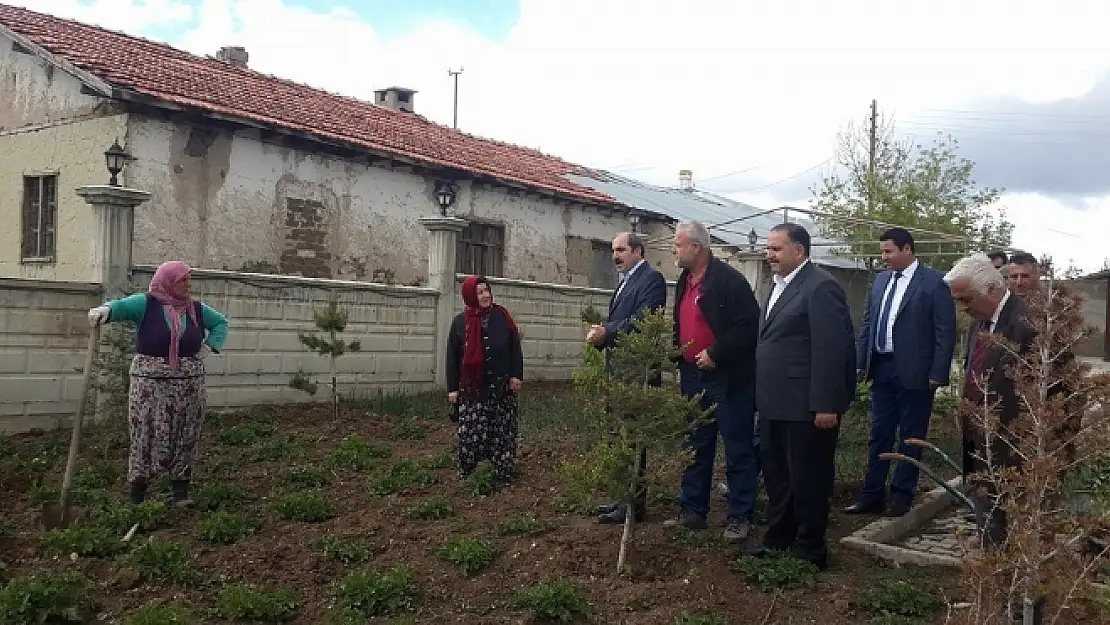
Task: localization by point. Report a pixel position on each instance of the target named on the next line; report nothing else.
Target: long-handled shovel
(61, 514)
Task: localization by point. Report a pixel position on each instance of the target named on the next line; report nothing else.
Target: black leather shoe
(862, 509)
(896, 511)
(607, 508)
(617, 516)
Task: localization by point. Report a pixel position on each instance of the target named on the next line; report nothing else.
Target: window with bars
(603, 274)
(481, 250)
(40, 214)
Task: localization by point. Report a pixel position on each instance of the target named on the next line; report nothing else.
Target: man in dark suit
(805, 367)
(716, 318)
(640, 288)
(906, 341)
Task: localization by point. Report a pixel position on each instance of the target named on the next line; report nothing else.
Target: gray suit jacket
(805, 360)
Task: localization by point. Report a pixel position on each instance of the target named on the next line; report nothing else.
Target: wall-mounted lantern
(116, 158)
(445, 196)
(752, 239)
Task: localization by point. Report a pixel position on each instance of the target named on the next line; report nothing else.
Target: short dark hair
(1023, 258)
(900, 237)
(636, 242)
(797, 234)
(999, 255)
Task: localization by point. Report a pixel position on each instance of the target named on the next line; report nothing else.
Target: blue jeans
(735, 422)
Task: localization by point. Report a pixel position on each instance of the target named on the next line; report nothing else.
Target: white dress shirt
(899, 293)
(780, 285)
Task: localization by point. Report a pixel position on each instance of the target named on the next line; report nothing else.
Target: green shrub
(218, 496)
(557, 600)
(401, 477)
(434, 509)
(161, 561)
(305, 507)
(164, 614)
(345, 550)
(467, 555)
(48, 597)
(369, 593)
(85, 541)
(354, 453)
(243, 602)
(224, 528)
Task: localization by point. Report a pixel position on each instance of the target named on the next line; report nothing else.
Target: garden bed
(304, 518)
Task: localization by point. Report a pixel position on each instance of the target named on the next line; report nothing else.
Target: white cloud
(653, 86)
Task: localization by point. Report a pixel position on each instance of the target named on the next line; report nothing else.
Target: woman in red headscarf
(167, 396)
(485, 367)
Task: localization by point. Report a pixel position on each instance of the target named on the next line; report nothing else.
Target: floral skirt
(165, 409)
(487, 430)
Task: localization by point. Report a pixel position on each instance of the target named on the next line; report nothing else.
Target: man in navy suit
(905, 348)
(641, 288)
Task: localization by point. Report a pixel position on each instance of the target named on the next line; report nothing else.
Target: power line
(786, 179)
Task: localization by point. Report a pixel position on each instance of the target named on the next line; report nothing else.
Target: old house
(253, 172)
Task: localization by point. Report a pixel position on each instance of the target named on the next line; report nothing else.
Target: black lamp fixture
(445, 196)
(116, 158)
(635, 217)
(752, 239)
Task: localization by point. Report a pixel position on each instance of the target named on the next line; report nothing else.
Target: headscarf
(473, 364)
(165, 278)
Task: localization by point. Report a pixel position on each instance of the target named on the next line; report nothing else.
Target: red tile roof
(170, 75)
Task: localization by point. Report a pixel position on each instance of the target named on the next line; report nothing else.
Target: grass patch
(289, 447)
(482, 482)
(899, 601)
(777, 572)
(355, 453)
(467, 555)
(557, 600)
(434, 509)
(244, 602)
(84, 540)
(523, 525)
(305, 507)
(345, 550)
(118, 517)
(98, 474)
(162, 561)
(409, 430)
(306, 477)
(401, 477)
(164, 614)
(224, 528)
(213, 497)
(368, 594)
(442, 460)
(242, 435)
(396, 404)
(47, 598)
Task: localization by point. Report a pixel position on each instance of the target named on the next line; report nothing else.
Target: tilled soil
(671, 574)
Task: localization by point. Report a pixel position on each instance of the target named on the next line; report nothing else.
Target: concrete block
(417, 344)
(13, 361)
(55, 362)
(253, 363)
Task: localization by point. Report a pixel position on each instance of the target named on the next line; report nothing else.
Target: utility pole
(455, 75)
(872, 146)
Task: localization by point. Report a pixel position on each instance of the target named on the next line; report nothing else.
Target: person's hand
(453, 397)
(515, 384)
(825, 420)
(205, 351)
(98, 315)
(596, 335)
(704, 362)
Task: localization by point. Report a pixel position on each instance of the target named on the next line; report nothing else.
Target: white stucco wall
(220, 202)
(48, 126)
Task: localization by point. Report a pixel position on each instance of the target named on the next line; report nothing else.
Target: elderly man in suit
(716, 319)
(906, 341)
(981, 291)
(640, 288)
(805, 378)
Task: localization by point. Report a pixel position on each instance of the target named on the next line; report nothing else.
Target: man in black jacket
(716, 323)
(641, 288)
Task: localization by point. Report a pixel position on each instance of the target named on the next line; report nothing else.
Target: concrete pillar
(113, 233)
(443, 237)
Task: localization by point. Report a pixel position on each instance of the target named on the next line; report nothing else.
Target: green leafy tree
(331, 321)
(631, 414)
(910, 185)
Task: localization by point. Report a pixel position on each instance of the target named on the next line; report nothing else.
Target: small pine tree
(332, 320)
(631, 414)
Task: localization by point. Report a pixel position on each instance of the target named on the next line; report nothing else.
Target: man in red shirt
(716, 322)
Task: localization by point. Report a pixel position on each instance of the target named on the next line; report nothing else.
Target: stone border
(876, 537)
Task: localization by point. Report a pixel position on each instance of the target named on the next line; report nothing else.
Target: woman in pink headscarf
(174, 333)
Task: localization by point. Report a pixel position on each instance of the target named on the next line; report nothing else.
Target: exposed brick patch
(306, 236)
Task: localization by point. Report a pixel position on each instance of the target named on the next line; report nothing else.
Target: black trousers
(799, 468)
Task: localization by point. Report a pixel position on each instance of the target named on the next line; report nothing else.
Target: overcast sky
(748, 94)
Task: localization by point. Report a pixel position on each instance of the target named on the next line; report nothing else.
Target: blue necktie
(884, 318)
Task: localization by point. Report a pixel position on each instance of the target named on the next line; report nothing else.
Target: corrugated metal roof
(709, 209)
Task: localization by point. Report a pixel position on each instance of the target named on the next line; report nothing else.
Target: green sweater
(133, 308)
